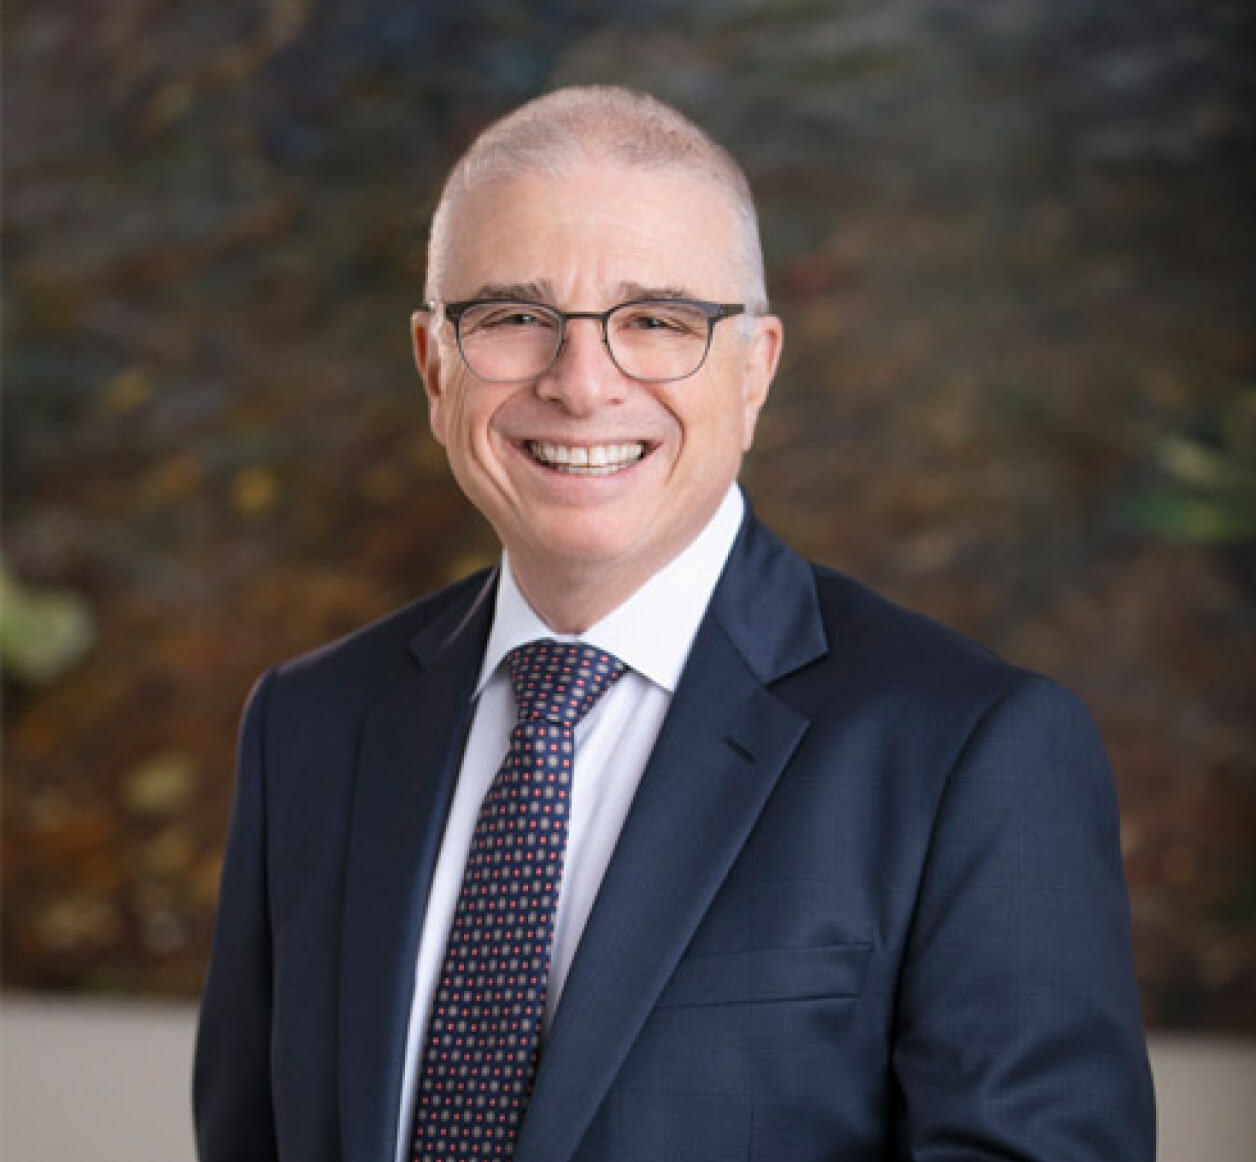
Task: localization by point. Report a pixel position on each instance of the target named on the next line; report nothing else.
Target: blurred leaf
(1202, 466)
(128, 390)
(160, 786)
(254, 491)
(1197, 519)
(171, 103)
(1209, 497)
(43, 632)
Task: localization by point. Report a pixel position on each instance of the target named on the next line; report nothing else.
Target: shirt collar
(654, 629)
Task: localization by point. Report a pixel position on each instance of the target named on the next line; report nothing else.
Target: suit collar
(767, 605)
(408, 761)
(724, 744)
(459, 624)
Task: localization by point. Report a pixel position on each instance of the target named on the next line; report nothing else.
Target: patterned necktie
(483, 1039)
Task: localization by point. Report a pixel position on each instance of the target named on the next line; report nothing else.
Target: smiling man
(598, 447)
(656, 841)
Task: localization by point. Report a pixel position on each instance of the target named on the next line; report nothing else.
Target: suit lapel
(724, 744)
(407, 765)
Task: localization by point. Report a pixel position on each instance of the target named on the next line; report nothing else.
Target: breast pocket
(766, 975)
(755, 1023)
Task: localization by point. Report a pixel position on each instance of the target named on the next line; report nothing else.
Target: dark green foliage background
(1014, 249)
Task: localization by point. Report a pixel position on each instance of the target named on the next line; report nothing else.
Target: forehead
(584, 234)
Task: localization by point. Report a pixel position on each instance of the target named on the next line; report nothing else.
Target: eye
(660, 318)
(514, 319)
(505, 317)
(648, 321)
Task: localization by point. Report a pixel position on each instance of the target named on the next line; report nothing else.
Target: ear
(427, 360)
(763, 353)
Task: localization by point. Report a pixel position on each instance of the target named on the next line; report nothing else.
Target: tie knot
(560, 681)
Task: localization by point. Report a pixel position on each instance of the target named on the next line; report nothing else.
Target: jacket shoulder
(355, 668)
(898, 649)
(901, 683)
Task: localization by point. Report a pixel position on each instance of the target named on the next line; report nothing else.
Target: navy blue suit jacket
(868, 903)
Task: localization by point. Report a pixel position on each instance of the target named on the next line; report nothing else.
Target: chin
(577, 541)
(587, 550)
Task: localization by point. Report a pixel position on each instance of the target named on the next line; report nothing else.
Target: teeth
(587, 460)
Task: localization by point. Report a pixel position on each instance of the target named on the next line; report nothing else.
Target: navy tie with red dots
(483, 1038)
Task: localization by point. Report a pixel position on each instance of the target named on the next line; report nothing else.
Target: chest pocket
(763, 975)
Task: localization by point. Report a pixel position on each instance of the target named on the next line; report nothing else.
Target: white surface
(110, 1082)
(86, 1080)
(1206, 1090)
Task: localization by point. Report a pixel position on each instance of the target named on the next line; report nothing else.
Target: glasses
(656, 340)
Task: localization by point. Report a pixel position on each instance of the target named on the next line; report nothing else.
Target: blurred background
(1014, 248)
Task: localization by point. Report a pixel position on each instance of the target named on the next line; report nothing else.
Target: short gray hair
(556, 133)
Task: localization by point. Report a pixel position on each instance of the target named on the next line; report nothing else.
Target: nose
(584, 377)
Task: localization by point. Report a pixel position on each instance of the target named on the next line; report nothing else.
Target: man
(825, 881)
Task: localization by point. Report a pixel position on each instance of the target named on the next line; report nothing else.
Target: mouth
(586, 459)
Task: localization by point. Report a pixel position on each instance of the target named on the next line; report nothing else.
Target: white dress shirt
(651, 633)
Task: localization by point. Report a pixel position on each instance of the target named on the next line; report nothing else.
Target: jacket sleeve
(231, 1093)
(1019, 1027)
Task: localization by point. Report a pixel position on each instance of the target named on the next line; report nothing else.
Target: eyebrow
(542, 292)
(533, 291)
(635, 290)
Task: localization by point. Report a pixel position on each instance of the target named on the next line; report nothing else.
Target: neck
(572, 593)
(571, 599)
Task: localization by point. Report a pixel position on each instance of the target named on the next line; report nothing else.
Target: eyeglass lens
(648, 340)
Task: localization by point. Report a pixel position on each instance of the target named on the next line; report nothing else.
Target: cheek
(453, 415)
(725, 421)
(750, 419)
(470, 436)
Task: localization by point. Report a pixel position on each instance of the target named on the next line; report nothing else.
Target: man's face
(586, 242)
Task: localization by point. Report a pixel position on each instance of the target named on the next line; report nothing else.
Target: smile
(586, 459)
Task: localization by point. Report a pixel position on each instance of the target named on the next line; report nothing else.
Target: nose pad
(597, 326)
(566, 343)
